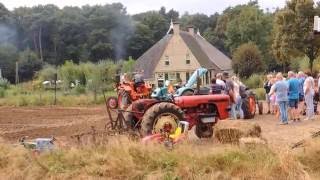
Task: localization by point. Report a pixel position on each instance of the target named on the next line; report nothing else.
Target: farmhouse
(178, 54)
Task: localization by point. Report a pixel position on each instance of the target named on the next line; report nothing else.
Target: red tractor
(128, 92)
(152, 116)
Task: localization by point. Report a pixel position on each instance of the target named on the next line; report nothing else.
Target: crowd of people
(222, 83)
(290, 98)
(287, 98)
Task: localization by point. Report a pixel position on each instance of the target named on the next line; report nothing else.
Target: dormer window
(188, 58)
(166, 61)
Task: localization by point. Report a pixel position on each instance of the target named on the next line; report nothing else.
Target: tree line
(45, 34)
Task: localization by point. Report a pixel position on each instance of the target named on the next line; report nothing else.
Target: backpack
(242, 91)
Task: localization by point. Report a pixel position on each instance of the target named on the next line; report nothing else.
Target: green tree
(247, 59)
(141, 40)
(156, 22)
(199, 21)
(29, 63)
(8, 58)
(293, 32)
(251, 24)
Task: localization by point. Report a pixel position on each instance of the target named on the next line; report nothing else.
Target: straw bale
(230, 131)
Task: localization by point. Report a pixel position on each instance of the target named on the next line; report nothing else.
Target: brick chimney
(191, 30)
(176, 28)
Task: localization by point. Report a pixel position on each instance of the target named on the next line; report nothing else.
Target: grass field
(124, 159)
(22, 96)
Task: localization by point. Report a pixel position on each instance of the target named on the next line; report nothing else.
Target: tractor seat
(203, 91)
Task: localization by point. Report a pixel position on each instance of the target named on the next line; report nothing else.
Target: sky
(136, 6)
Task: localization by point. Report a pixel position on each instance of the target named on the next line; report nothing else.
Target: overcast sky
(137, 6)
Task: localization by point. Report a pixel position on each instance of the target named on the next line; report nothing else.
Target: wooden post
(17, 72)
(40, 43)
(55, 88)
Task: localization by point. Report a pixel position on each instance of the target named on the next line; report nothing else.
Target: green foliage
(293, 32)
(254, 81)
(22, 96)
(8, 58)
(250, 25)
(2, 92)
(200, 21)
(79, 90)
(260, 93)
(29, 63)
(4, 83)
(128, 66)
(47, 73)
(69, 73)
(247, 60)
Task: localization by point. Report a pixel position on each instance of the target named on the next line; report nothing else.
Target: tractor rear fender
(139, 107)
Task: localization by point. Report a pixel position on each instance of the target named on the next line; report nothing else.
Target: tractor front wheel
(204, 130)
(161, 117)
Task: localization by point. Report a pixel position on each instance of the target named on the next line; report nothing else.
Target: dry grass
(124, 159)
(310, 157)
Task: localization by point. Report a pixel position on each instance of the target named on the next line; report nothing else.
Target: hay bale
(230, 131)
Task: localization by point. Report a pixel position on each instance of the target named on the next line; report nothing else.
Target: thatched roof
(207, 55)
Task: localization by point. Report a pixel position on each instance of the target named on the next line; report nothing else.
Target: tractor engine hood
(192, 101)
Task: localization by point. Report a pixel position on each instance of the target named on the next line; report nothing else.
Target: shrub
(260, 93)
(254, 81)
(47, 73)
(4, 83)
(2, 92)
(78, 90)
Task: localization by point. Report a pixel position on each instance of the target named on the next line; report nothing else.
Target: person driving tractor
(138, 79)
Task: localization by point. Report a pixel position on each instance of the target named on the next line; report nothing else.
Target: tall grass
(24, 96)
(310, 157)
(124, 159)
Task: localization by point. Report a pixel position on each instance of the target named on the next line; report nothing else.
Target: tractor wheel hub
(165, 123)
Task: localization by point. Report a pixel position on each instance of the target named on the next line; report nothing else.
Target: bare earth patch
(66, 121)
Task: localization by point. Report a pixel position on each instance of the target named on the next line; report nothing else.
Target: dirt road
(64, 122)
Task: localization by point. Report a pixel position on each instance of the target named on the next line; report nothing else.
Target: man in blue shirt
(293, 96)
(281, 90)
(301, 79)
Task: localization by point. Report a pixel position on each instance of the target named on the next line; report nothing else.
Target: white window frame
(167, 61)
(188, 59)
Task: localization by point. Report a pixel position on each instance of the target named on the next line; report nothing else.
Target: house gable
(177, 53)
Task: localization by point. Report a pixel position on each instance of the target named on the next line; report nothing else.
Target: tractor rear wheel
(249, 107)
(204, 130)
(161, 117)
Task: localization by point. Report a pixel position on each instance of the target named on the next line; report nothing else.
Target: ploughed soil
(63, 122)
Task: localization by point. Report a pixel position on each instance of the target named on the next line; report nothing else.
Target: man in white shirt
(220, 81)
